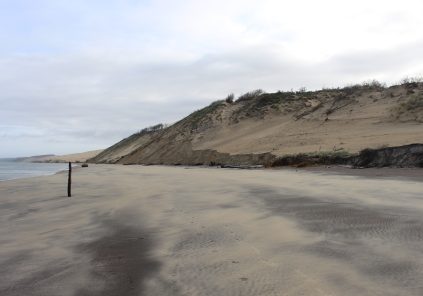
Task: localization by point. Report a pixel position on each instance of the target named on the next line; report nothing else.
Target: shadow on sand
(121, 260)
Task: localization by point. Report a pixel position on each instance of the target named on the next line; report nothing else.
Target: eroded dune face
(134, 230)
(349, 119)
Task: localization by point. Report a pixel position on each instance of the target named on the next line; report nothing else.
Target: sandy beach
(136, 230)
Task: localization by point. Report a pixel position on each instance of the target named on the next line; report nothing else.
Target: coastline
(30, 170)
(159, 230)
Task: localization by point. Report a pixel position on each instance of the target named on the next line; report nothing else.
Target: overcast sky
(80, 75)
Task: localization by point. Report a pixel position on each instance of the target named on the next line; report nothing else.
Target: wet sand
(415, 174)
(133, 230)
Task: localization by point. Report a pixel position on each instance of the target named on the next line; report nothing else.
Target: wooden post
(70, 180)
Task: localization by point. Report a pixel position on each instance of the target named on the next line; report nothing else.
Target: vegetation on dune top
(250, 95)
(367, 85)
(153, 128)
(256, 103)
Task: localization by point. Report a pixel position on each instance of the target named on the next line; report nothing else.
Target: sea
(11, 169)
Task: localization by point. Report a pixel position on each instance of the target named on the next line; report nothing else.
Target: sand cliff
(261, 127)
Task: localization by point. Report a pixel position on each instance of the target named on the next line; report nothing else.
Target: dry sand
(133, 230)
(281, 135)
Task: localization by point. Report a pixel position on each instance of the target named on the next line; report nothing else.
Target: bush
(153, 128)
(230, 98)
(302, 90)
(374, 84)
(411, 80)
(250, 95)
(366, 85)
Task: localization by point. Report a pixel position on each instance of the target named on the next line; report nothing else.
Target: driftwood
(242, 167)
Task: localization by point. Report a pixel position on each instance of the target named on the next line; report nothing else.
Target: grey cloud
(387, 61)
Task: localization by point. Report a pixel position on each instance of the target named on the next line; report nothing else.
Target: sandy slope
(363, 121)
(132, 230)
(286, 137)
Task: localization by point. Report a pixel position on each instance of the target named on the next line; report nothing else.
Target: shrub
(366, 85)
(153, 128)
(374, 84)
(302, 90)
(250, 95)
(411, 80)
(230, 98)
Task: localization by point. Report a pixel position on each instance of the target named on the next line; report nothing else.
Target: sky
(81, 75)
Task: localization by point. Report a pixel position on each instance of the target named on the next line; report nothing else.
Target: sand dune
(133, 230)
(283, 123)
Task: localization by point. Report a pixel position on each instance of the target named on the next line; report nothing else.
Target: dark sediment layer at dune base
(189, 156)
(400, 156)
(406, 156)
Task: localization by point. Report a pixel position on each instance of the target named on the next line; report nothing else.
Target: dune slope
(260, 127)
